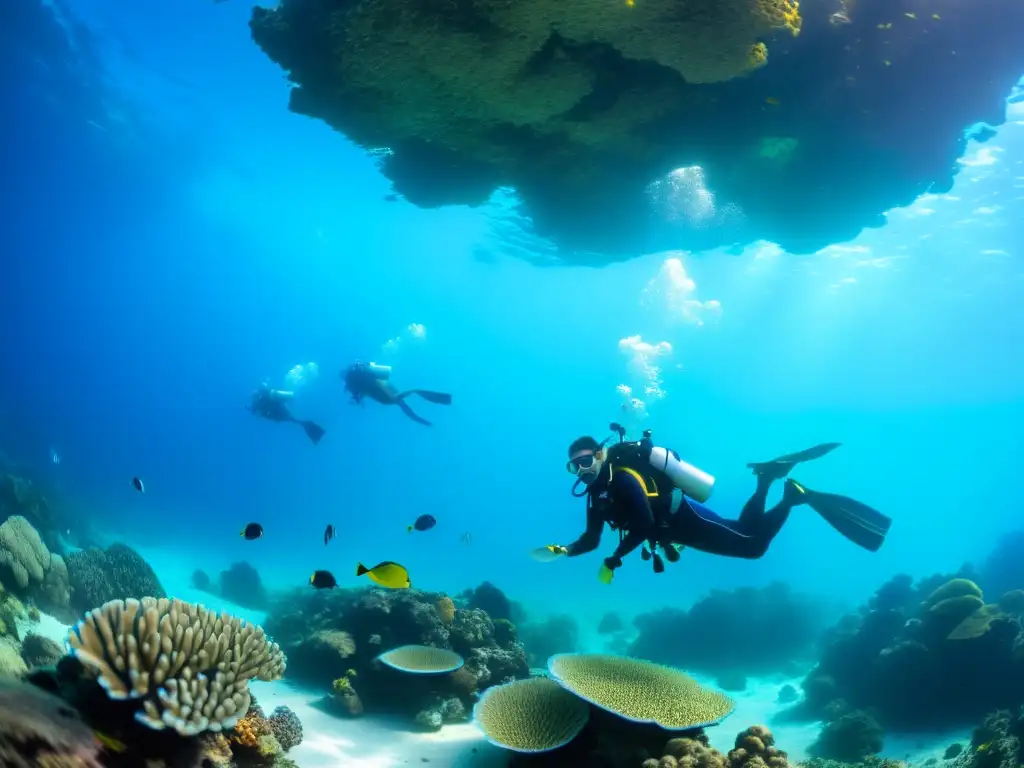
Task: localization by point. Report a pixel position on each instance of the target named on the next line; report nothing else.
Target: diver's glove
(607, 571)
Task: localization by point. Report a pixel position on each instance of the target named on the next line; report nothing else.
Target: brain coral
(534, 715)
(189, 666)
(421, 659)
(22, 552)
(640, 691)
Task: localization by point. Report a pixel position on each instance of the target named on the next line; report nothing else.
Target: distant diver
(629, 486)
(370, 380)
(270, 404)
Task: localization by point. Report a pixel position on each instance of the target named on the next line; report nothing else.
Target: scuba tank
(382, 372)
(694, 482)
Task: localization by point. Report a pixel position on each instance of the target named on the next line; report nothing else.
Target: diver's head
(585, 459)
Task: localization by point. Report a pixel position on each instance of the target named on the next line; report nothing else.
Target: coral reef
(286, 727)
(11, 663)
(492, 601)
(19, 496)
(38, 651)
(925, 655)
(581, 105)
(543, 639)
(640, 691)
(340, 640)
(241, 584)
(535, 715)
(421, 659)
(770, 630)
(118, 572)
(29, 569)
(163, 653)
(848, 738)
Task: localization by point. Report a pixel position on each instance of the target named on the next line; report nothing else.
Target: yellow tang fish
(387, 574)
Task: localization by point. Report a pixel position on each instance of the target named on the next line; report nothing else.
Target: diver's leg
(438, 398)
(694, 525)
(753, 510)
(409, 412)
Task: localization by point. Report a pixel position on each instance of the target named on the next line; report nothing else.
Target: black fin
(861, 524)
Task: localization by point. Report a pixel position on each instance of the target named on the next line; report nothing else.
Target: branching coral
(189, 666)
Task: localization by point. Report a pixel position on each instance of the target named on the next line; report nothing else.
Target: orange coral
(250, 728)
(446, 610)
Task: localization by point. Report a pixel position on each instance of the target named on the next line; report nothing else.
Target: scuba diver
(270, 404)
(373, 381)
(629, 486)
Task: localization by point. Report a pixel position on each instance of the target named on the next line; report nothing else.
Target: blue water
(167, 252)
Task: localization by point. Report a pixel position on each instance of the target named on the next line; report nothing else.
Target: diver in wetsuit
(269, 404)
(370, 380)
(632, 492)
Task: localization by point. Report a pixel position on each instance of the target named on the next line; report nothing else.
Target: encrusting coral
(189, 666)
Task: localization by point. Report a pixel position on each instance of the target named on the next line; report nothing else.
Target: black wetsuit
(361, 381)
(622, 501)
(267, 406)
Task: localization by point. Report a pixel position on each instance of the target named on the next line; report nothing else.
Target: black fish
(137, 484)
(252, 531)
(322, 580)
(328, 534)
(423, 523)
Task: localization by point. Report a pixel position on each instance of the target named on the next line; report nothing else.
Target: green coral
(977, 623)
(640, 690)
(534, 715)
(952, 589)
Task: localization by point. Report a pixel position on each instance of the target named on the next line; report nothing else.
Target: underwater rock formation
(595, 112)
(241, 585)
(771, 630)
(118, 572)
(39, 729)
(333, 639)
(848, 737)
(919, 656)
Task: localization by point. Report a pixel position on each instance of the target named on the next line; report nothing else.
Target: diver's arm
(630, 497)
(591, 537)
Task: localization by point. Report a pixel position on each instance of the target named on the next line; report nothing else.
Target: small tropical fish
(252, 531)
(936, 17)
(466, 538)
(887, 62)
(630, 3)
(884, 26)
(423, 523)
(910, 15)
(387, 574)
(839, 17)
(328, 534)
(109, 742)
(772, 100)
(54, 456)
(323, 580)
(138, 485)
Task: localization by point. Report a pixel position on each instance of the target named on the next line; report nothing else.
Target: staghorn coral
(640, 691)
(22, 553)
(189, 666)
(422, 659)
(535, 715)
